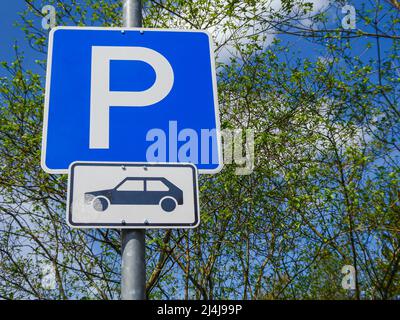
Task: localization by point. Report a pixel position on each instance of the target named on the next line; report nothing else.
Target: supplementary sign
(139, 195)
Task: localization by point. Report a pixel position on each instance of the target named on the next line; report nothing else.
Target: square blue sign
(130, 95)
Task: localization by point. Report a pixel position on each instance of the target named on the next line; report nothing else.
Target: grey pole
(133, 268)
(132, 13)
(133, 265)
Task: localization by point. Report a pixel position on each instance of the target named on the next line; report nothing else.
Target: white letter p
(101, 98)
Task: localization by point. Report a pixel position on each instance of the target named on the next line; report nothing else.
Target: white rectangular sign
(132, 195)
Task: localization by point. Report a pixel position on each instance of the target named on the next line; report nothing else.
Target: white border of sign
(134, 225)
(48, 81)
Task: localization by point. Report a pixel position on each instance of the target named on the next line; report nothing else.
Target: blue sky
(11, 34)
(8, 32)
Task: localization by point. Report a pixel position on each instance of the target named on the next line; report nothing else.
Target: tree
(324, 192)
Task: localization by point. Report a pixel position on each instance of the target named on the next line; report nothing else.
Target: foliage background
(325, 190)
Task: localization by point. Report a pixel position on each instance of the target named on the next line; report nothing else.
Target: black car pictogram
(138, 191)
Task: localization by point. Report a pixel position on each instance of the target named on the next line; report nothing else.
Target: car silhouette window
(131, 185)
(156, 185)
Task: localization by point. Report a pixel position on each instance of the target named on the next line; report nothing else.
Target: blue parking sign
(130, 95)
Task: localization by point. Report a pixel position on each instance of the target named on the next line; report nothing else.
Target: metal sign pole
(133, 266)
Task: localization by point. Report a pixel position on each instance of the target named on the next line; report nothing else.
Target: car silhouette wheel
(100, 203)
(168, 204)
